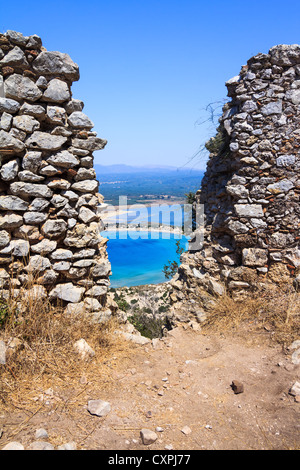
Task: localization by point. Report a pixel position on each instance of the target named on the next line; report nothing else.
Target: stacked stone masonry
(251, 187)
(49, 223)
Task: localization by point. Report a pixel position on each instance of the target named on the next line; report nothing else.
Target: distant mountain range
(123, 169)
(146, 182)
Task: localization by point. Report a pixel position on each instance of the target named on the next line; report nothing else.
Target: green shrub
(5, 313)
(121, 302)
(219, 144)
(150, 327)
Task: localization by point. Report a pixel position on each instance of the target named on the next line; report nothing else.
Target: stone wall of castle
(251, 187)
(49, 225)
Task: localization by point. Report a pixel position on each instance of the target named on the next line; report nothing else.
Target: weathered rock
(41, 445)
(295, 389)
(12, 203)
(86, 186)
(26, 123)
(34, 110)
(67, 292)
(148, 437)
(255, 257)
(98, 407)
(9, 170)
(44, 247)
(8, 143)
(9, 106)
(237, 387)
(57, 91)
(2, 353)
(83, 349)
(64, 159)
(10, 221)
(14, 445)
(30, 190)
(20, 88)
(44, 141)
(79, 120)
(54, 64)
(54, 228)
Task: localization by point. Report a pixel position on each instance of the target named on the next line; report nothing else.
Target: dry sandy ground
(184, 381)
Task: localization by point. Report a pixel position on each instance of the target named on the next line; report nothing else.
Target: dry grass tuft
(272, 309)
(42, 353)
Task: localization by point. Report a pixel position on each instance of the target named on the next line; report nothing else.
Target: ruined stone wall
(251, 187)
(49, 232)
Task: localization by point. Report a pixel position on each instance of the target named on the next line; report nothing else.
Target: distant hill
(146, 182)
(123, 169)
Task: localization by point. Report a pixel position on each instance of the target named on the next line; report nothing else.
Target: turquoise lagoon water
(137, 258)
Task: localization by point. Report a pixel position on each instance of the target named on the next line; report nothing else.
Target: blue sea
(138, 258)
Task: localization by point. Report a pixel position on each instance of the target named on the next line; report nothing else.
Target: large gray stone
(84, 349)
(237, 191)
(96, 291)
(86, 215)
(32, 161)
(9, 170)
(15, 58)
(11, 221)
(10, 143)
(67, 292)
(56, 115)
(34, 110)
(285, 160)
(4, 238)
(57, 91)
(275, 107)
(62, 254)
(34, 218)
(101, 269)
(54, 228)
(86, 186)
(56, 64)
(30, 190)
(12, 203)
(249, 210)
(285, 54)
(44, 141)
(91, 144)
(74, 105)
(38, 263)
(44, 247)
(236, 227)
(16, 38)
(18, 87)
(6, 121)
(30, 177)
(282, 186)
(80, 120)
(9, 106)
(82, 236)
(20, 248)
(98, 407)
(26, 123)
(64, 159)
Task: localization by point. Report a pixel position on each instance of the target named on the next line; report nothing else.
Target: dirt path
(184, 383)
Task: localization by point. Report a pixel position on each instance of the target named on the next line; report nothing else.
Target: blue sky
(149, 68)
